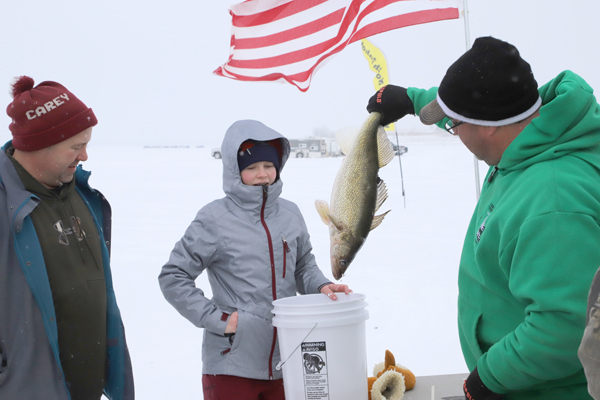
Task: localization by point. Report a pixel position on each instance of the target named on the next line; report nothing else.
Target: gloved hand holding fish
(357, 193)
(392, 102)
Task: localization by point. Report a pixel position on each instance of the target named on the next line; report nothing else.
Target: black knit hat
(251, 152)
(490, 85)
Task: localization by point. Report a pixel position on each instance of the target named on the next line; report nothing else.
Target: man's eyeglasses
(451, 126)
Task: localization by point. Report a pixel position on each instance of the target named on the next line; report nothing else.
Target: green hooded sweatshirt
(532, 249)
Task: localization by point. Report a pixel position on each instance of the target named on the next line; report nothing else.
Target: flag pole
(466, 15)
(468, 46)
(400, 161)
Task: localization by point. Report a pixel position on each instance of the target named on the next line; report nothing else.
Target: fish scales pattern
(357, 193)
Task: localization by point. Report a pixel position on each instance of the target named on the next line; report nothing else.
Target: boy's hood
(237, 133)
(569, 121)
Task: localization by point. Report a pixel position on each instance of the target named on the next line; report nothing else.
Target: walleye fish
(357, 193)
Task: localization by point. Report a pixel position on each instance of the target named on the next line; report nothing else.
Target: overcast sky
(145, 67)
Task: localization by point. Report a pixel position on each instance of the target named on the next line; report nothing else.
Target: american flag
(287, 39)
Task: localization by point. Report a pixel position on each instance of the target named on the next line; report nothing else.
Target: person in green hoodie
(533, 244)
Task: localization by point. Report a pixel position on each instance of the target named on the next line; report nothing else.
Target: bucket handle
(280, 363)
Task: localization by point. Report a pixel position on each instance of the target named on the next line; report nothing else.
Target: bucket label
(314, 363)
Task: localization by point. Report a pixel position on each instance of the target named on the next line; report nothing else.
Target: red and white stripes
(287, 39)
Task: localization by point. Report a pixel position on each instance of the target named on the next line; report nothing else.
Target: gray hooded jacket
(255, 248)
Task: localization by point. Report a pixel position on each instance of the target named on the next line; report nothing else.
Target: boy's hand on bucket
(330, 290)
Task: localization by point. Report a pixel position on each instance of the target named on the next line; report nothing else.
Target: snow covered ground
(407, 268)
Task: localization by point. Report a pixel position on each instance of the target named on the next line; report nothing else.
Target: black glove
(392, 102)
(475, 389)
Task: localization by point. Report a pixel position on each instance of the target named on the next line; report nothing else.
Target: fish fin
(377, 220)
(335, 223)
(384, 147)
(345, 138)
(323, 209)
(382, 194)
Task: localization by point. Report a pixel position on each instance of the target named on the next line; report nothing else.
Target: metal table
(437, 387)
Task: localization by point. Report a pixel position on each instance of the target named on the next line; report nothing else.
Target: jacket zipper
(286, 249)
(273, 277)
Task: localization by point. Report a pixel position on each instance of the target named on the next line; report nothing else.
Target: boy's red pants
(227, 387)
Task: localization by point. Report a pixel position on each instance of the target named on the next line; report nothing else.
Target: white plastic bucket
(323, 346)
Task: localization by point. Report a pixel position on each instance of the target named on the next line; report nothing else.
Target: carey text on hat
(47, 107)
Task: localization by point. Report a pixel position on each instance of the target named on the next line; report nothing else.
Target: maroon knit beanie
(45, 115)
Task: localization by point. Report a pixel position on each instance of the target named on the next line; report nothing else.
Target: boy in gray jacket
(255, 248)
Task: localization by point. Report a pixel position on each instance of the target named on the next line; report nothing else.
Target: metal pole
(400, 161)
(468, 46)
(466, 15)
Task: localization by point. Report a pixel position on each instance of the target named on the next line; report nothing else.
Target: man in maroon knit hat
(61, 334)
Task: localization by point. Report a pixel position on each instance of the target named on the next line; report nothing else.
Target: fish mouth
(339, 269)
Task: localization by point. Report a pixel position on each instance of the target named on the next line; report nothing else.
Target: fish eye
(343, 263)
